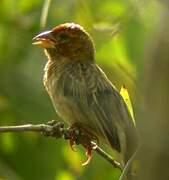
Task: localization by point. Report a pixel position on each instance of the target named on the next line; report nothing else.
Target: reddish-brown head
(67, 40)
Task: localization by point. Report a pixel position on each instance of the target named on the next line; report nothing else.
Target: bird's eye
(64, 37)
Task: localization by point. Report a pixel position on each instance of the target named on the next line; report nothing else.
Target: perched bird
(81, 92)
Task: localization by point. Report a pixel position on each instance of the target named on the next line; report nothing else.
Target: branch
(57, 130)
(106, 156)
(27, 127)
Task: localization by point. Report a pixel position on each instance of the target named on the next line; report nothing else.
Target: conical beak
(44, 40)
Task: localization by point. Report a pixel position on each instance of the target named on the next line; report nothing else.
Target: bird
(81, 92)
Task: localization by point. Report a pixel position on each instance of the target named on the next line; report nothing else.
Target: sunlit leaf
(124, 93)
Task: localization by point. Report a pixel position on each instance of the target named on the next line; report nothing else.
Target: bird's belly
(66, 109)
(72, 114)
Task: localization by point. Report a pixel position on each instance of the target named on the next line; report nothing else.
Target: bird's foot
(88, 154)
(73, 134)
(76, 136)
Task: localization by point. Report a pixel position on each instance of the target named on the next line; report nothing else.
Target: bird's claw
(89, 155)
(76, 136)
(72, 143)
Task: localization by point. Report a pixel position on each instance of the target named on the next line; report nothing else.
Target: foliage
(119, 28)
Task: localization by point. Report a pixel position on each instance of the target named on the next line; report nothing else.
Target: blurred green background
(120, 30)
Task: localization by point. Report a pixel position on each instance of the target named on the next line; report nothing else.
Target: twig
(44, 14)
(57, 130)
(105, 155)
(27, 127)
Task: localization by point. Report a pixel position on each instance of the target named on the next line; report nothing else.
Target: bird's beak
(44, 40)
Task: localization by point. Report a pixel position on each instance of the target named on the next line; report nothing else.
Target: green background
(120, 30)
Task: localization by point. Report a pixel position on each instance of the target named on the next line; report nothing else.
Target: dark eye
(64, 37)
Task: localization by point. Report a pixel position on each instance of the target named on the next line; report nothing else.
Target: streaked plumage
(80, 91)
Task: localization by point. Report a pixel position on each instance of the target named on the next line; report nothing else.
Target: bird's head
(69, 41)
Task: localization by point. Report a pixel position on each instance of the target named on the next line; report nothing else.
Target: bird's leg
(74, 137)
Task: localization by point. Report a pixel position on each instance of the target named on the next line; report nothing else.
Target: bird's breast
(65, 108)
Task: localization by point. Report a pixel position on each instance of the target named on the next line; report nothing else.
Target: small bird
(81, 92)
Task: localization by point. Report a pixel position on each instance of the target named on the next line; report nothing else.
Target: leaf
(124, 93)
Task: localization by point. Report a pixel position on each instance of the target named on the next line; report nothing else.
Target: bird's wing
(98, 102)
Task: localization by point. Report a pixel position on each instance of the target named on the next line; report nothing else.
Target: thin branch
(105, 155)
(57, 130)
(44, 14)
(22, 128)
